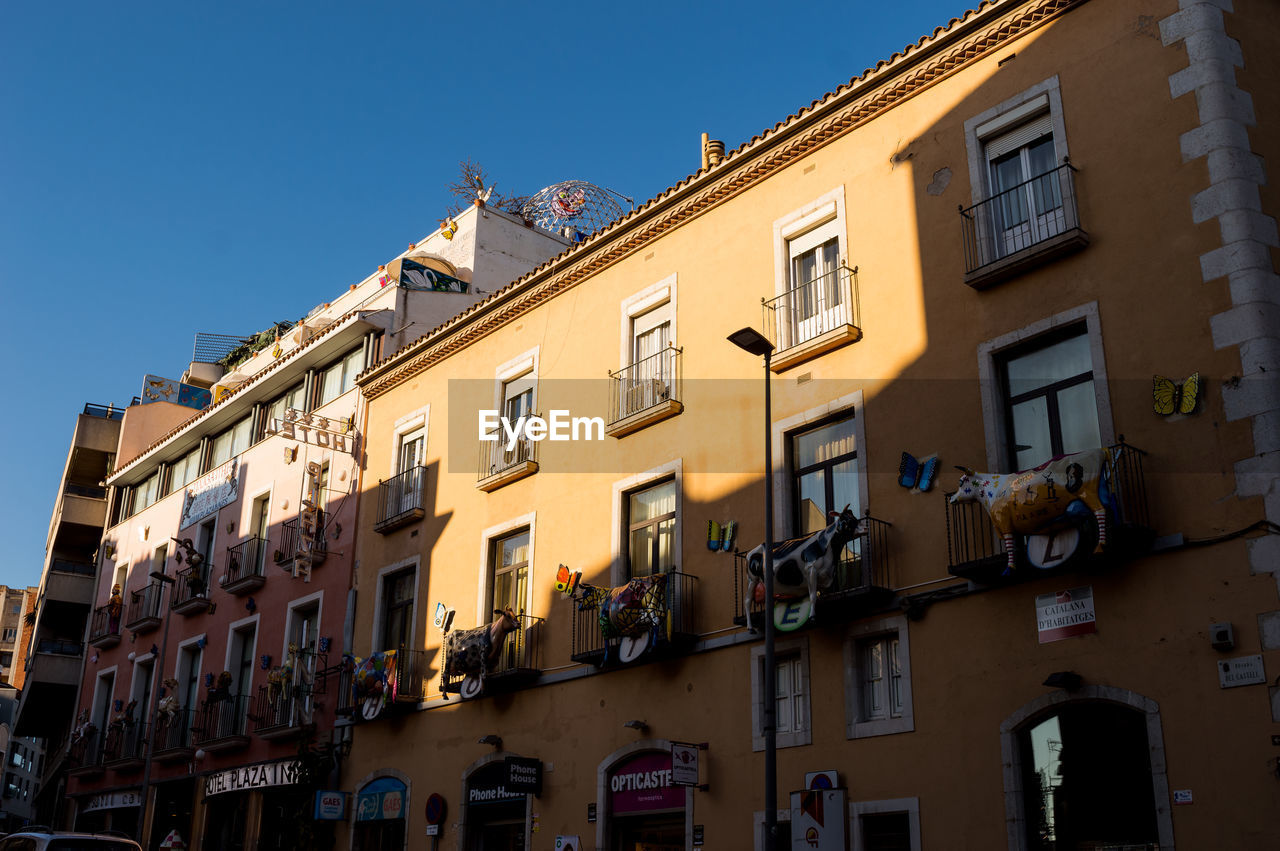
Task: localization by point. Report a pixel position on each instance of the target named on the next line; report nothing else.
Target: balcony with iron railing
(1021, 227)
(647, 392)
(594, 639)
(500, 466)
(173, 736)
(385, 682)
(220, 724)
(125, 748)
(191, 591)
(813, 318)
(401, 500)
(515, 663)
(976, 552)
(862, 582)
(84, 756)
(246, 567)
(286, 708)
(294, 541)
(104, 626)
(144, 612)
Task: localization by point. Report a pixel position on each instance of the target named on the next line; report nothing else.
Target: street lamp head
(751, 341)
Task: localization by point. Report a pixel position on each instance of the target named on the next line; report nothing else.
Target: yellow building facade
(977, 255)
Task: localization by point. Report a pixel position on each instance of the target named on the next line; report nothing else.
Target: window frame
(1049, 392)
(378, 637)
(345, 373)
(787, 648)
(785, 508)
(620, 536)
(1000, 119)
(236, 632)
(889, 806)
(857, 725)
(654, 522)
(489, 538)
(995, 415)
(650, 307)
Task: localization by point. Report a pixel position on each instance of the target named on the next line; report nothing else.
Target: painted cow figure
(1039, 500)
(473, 651)
(802, 565)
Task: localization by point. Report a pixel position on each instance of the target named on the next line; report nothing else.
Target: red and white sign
(1065, 614)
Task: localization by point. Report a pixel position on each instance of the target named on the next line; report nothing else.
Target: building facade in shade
(21, 758)
(15, 604)
(977, 254)
(220, 596)
(53, 655)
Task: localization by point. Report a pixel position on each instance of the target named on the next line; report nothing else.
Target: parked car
(50, 840)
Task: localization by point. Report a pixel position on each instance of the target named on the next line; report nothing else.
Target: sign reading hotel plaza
(282, 773)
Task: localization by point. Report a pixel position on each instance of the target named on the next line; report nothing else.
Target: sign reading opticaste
(1065, 614)
(113, 800)
(644, 783)
(684, 764)
(282, 773)
(208, 493)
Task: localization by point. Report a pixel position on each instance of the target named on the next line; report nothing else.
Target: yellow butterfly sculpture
(1172, 397)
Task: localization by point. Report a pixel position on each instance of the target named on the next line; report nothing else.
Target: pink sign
(643, 783)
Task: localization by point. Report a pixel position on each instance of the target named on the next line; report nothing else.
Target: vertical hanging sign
(309, 524)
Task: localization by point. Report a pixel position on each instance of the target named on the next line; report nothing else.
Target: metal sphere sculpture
(575, 204)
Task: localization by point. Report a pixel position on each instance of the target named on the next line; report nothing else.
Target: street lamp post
(753, 342)
(154, 714)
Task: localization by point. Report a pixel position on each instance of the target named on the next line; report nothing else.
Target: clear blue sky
(168, 168)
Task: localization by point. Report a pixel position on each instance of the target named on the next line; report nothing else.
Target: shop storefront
(118, 810)
(380, 815)
(174, 805)
(497, 810)
(645, 808)
(236, 814)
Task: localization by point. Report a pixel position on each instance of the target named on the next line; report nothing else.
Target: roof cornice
(919, 66)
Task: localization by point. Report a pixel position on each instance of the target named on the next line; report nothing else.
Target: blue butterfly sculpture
(914, 473)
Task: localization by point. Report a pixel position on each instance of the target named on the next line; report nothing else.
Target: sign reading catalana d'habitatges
(282, 773)
(208, 493)
(1064, 614)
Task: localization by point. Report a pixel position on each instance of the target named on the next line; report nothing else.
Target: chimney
(712, 152)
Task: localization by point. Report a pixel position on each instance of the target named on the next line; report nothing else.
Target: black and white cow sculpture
(470, 652)
(802, 565)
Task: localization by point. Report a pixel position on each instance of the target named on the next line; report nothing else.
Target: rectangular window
(242, 650)
(517, 397)
(189, 660)
(398, 593)
(651, 526)
(147, 492)
(1049, 398)
(10, 633)
(231, 442)
(892, 825)
(510, 565)
(792, 723)
(186, 469)
(340, 377)
(878, 679)
(294, 398)
(824, 464)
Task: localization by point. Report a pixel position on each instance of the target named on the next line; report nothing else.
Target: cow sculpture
(471, 652)
(802, 565)
(627, 611)
(1044, 498)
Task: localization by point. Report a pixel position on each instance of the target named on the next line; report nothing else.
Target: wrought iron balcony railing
(292, 541)
(104, 626)
(220, 723)
(645, 392)
(368, 687)
(1034, 213)
(246, 566)
(126, 746)
(401, 499)
(863, 581)
(85, 752)
(518, 661)
(673, 635)
(191, 591)
(173, 736)
(975, 551)
(281, 710)
(499, 465)
(814, 309)
(144, 611)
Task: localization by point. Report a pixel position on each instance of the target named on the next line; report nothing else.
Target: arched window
(1087, 778)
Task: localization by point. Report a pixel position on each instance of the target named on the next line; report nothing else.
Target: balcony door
(816, 300)
(303, 636)
(412, 451)
(1026, 198)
